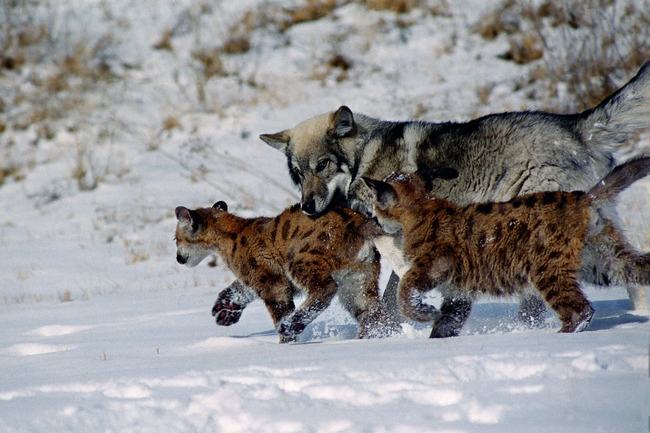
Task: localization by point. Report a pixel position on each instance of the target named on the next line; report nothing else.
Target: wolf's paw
(226, 312)
(446, 327)
(290, 328)
(284, 339)
(377, 324)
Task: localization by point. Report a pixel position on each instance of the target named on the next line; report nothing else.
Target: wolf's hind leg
(419, 279)
(638, 298)
(531, 310)
(608, 259)
(358, 291)
(563, 295)
(454, 314)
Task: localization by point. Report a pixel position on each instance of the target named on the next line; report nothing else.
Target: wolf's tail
(614, 121)
(618, 179)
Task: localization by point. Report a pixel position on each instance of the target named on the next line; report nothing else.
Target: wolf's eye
(322, 165)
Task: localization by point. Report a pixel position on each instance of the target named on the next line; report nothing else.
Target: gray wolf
(499, 156)
(548, 240)
(277, 257)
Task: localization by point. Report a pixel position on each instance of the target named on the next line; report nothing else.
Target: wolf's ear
(429, 174)
(385, 194)
(184, 216)
(342, 122)
(278, 141)
(221, 205)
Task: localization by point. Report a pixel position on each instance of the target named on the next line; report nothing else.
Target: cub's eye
(322, 165)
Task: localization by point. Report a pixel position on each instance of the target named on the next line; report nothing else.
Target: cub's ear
(385, 194)
(429, 174)
(278, 141)
(343, 122)
(184, 216)
(221, 205)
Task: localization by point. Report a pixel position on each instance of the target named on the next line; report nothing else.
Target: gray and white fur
(498, 156)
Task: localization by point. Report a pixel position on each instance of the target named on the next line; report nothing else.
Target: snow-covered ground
(102, 331)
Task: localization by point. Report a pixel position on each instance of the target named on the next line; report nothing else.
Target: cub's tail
(618, 179)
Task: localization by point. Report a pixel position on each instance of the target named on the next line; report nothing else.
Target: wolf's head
(319, 157)
(400, 193)
(195, 234)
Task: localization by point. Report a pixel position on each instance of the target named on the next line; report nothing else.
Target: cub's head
(195, 234)
(400, 193)
(317, 158)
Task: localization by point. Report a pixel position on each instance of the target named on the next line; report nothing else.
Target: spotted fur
(277, 257)
(547, 240)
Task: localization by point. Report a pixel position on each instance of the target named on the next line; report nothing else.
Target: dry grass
(524, 48)
(165, 42)
(614, 44)
(9, 171)
(236, 45)
(588, 48)
(210, 61)
(65, 296)
(397, 6)
(501, 19)
(170, 123)
(311, 11)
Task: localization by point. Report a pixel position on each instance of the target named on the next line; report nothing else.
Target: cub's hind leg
(562, 293)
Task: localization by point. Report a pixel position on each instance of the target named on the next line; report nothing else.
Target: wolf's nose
(308, 207)
(180, 259)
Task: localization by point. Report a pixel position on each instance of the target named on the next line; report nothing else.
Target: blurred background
(114, 112)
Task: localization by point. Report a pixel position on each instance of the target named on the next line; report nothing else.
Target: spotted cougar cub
(547, 240)
(277, 257)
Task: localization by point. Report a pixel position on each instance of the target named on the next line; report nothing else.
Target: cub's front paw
(226, 312)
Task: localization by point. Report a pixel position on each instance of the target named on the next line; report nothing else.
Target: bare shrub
(504, 18)
(524, 48)
(165, 41)
(170, 123)
(397, 6)
(593, 59)
(582, 51)
(310, 11)
(237, 45)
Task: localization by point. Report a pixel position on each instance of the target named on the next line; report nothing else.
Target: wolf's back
(610, 126)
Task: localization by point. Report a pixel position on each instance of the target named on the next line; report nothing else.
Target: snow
(151, 363)
(102, 331)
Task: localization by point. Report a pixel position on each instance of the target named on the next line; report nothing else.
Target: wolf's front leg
(531, 311)
(361, 198)
(454, 312)
(319, 298)
(231, 302)
(420, 278)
